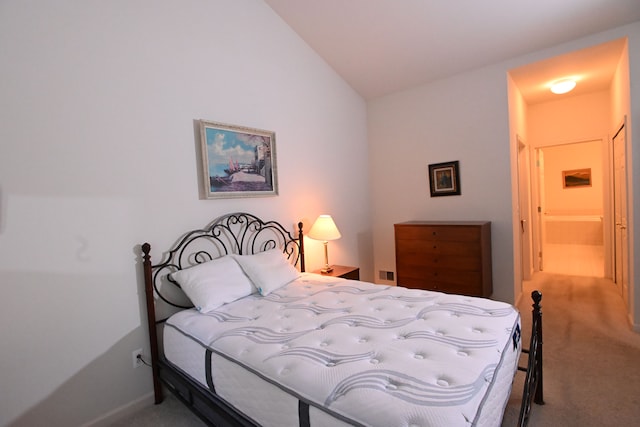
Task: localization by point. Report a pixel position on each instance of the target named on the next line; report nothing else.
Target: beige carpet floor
(170, 413)
(591, 356)
(591, 361)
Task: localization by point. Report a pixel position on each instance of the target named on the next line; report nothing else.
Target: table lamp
(324, 229)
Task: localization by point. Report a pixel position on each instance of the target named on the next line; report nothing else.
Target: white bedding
(356, 353)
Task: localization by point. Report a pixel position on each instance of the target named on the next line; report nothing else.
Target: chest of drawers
(452, 257)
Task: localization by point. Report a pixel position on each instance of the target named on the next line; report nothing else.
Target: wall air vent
(385, 275)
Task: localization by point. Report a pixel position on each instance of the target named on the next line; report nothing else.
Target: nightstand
(343, 271)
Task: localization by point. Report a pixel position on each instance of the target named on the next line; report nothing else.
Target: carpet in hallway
(591, 356)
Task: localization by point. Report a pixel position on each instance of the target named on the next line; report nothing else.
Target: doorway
(572, 204)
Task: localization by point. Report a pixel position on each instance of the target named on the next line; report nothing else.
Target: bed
(244, 338)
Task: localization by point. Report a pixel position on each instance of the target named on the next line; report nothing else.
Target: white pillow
(214, 283)
(268, 270)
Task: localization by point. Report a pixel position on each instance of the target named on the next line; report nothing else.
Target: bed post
(151, 320)
(533, 387)
(537, 318)
(301, 244)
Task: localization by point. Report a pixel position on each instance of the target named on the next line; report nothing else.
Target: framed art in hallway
(576, 178)
(444, 179)
(237, 161)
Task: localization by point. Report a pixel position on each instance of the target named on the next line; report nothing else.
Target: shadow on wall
(86, 396)
(107, 385)
(365, 251)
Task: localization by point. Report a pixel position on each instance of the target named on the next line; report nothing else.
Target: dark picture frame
(444, 179)
(237, 161)
(576, 178)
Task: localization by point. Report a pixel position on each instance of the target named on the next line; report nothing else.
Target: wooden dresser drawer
(425, 247)
(438, 233)
(452, 257)
(443, 275)
(454, 263)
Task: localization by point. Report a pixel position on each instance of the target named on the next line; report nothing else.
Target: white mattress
(357, 353)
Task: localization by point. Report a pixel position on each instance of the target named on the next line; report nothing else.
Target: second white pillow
(268, 270)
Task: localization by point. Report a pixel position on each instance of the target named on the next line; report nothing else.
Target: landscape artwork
(576, 178)
(237, 161)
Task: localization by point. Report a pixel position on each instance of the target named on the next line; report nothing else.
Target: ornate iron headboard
(237, 233)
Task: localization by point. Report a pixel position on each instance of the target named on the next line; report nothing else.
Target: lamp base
(327, 268)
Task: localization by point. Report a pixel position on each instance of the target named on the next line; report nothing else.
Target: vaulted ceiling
(384, 46)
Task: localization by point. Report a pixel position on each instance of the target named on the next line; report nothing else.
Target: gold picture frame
(576, 178)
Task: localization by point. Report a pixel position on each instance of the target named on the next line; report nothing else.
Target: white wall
(571, 119)
(98, 143)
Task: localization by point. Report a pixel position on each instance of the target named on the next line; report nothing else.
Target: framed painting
(576, 178)
(237, 161)
(444, 179)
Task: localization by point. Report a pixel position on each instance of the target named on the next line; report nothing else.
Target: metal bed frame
(244, 233)
(533, 384)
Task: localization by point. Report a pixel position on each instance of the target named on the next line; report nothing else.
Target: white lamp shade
(324, 229)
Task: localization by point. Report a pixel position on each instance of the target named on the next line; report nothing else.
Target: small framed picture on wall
(444, 179)
(576, 178)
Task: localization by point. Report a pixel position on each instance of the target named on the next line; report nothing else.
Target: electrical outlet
(137, 361)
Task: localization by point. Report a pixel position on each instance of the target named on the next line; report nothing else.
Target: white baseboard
(123, 412)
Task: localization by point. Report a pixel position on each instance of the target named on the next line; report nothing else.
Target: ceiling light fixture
(563, 86)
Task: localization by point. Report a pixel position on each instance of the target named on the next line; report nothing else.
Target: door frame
(524, 199)
(538, 181)
(620, 242)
